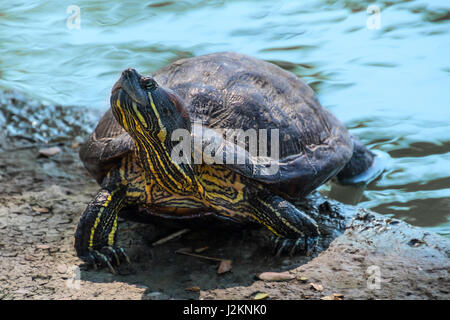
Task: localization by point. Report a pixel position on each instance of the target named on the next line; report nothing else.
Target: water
(390, 85)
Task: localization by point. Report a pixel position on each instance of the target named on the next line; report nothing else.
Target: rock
(361, 259)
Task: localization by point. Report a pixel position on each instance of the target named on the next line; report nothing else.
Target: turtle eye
(148, 83)
(151, 85)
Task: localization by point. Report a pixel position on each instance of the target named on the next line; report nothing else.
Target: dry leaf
(316, 286)
(225, 266)
(334, 296)
(193, 289)
(260, 296)
(40, 210)
(275, 276)
(48, 152)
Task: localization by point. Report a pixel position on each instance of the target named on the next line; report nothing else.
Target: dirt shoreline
(41, 200)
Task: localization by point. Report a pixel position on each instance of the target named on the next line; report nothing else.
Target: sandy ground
(363, 255)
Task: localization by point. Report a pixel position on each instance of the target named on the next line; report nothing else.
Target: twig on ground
(170, 237)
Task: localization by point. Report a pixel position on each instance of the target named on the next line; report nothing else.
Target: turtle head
(150, 114)
(145, 109)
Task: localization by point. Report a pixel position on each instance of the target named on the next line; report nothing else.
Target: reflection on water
(389, 85)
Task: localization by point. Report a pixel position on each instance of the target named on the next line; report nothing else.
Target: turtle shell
(234, 91)
(230, 90)
(105, 147)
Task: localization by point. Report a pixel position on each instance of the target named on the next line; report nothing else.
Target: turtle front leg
(294, 231)
(96, 233)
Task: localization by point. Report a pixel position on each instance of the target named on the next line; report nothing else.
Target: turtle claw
(107, 257)
(99, 260)
(282, 245)
(124, 255)
(113, 271)
(304, 245)
(113, 253)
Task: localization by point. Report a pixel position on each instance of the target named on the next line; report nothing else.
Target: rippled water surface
(390, 85)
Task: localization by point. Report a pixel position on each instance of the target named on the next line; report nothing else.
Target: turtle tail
(364, 166)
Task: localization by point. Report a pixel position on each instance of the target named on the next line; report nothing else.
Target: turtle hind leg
(96, 233)
(364, 165)
(294, 231)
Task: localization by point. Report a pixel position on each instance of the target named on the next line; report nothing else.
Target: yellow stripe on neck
(162, 135)
(124, 120)
(139, 115)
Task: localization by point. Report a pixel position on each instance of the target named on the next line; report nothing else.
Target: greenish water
(390, 86)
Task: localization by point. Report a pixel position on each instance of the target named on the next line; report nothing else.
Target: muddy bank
(363, 255)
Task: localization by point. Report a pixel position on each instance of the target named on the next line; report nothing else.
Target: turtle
(133, 155)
